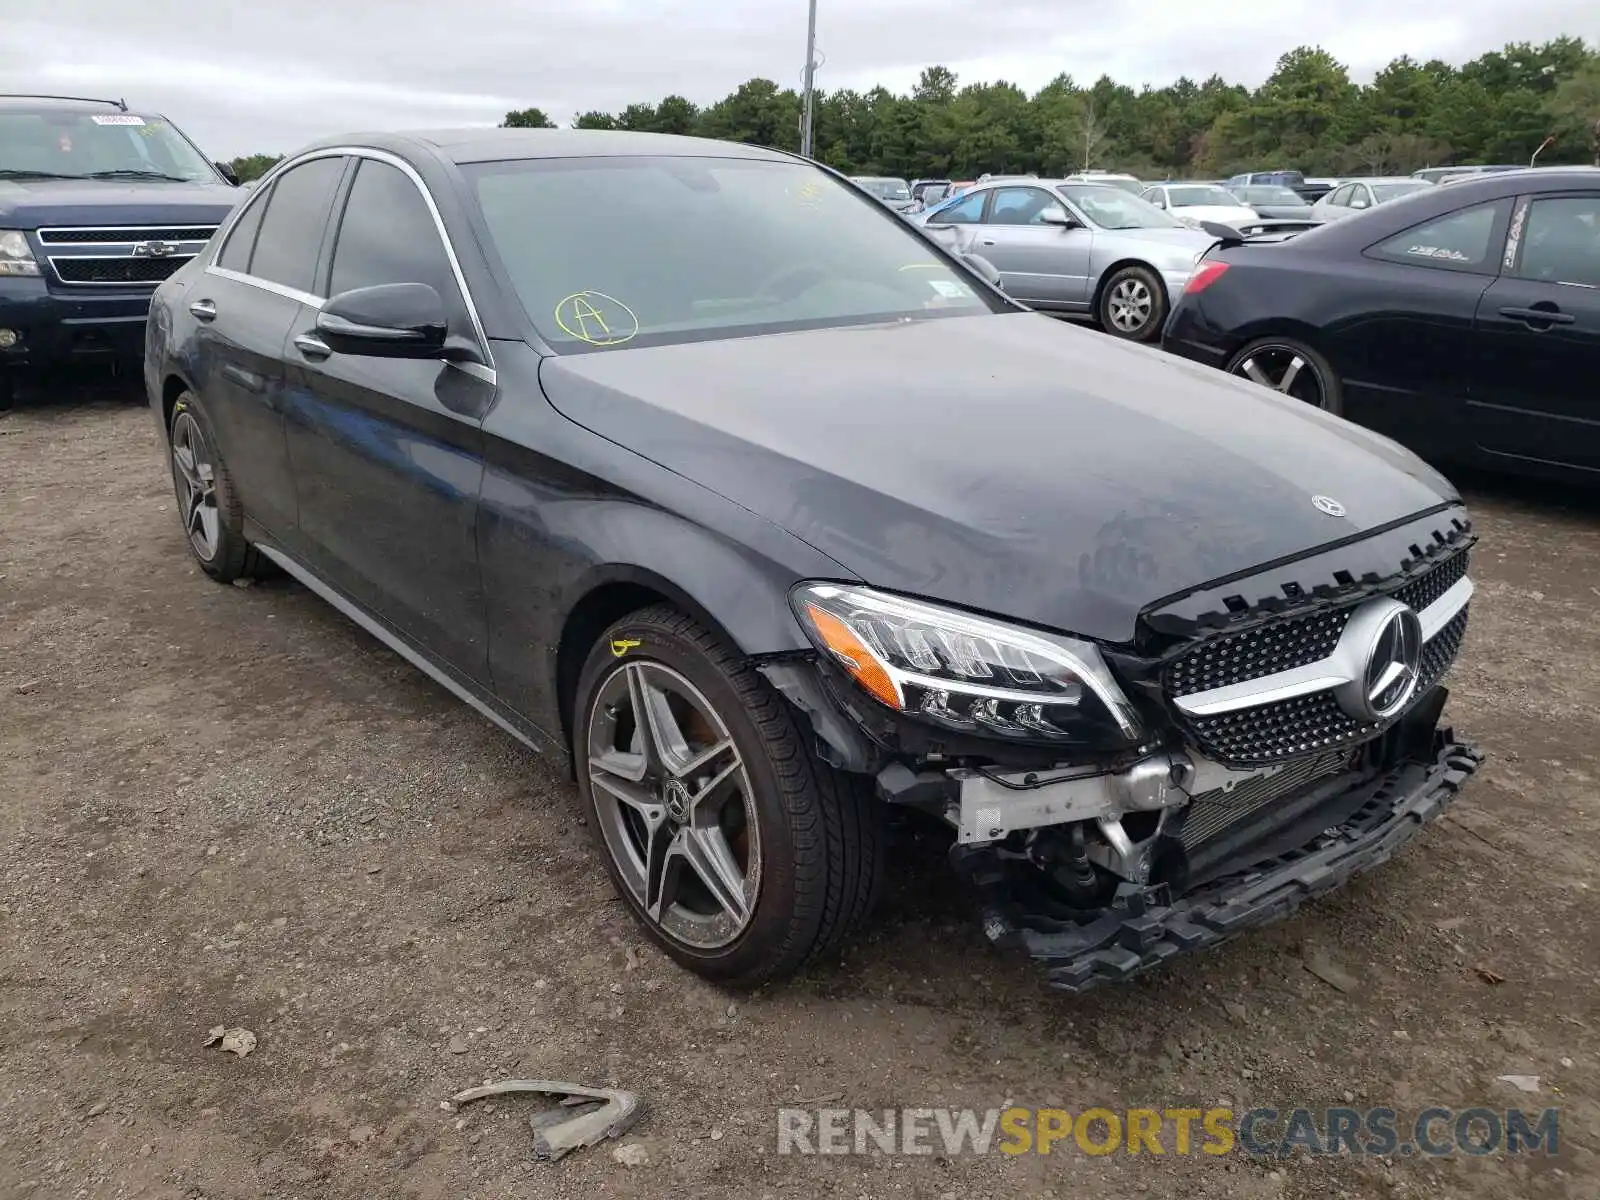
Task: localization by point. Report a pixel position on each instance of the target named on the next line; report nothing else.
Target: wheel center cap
(676, 798)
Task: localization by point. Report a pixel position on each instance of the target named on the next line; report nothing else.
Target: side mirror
(227, 172)
(1059, 217)
(985, 268)
(392, 320)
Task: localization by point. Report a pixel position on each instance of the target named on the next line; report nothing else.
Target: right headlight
(966, 672)
(16, 256)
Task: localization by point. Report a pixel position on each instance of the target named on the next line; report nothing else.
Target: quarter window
(1465, 240)
(966, 211)
(235, 254)
(296, 217)
(1561, 241)
(388, 235)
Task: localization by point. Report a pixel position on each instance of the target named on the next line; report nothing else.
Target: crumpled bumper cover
(1134, 934)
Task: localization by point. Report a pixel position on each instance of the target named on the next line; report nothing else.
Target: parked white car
(1358, 195)
(1196, 202)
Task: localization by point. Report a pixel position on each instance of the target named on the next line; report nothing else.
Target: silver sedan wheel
(674, 803)
(1130, 304)
(1284, 369)
(197, 486)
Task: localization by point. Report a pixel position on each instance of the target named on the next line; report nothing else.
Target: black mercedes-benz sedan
(1463, 320)
(694, 466)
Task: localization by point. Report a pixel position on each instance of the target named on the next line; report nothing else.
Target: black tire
(819, 830)
(1314, 382)
(231, 557)
(8, 390)
(1125, 287)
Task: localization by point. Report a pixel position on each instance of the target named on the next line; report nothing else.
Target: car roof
(493, 145)
(1379, 179)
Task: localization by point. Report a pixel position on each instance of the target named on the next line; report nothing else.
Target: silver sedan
(1075, 248)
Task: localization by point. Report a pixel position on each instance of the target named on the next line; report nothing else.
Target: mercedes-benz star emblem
(1387, 681)
(1327, 504)
(676, 797)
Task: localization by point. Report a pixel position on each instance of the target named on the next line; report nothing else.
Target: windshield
(1273, 195)
(1388, 191)
(607, 252)
(1111, 208)
(109, 145)
(889, 189)
(1198, 197)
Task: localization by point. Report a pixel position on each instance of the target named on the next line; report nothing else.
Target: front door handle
(988, 241)
(1542, 316)
(204, 310)
(312, 346)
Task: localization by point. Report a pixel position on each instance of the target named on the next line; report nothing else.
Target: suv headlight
(965, 672)
(16, 257)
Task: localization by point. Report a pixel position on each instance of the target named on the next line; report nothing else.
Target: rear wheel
(1290, 367)
(213, 520)
(741, 854)
(8, 389)
(1133, 304)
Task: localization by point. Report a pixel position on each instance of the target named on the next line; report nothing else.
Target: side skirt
(529, 735)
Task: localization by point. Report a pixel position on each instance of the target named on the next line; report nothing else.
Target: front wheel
(1133, 304)
(742, 854)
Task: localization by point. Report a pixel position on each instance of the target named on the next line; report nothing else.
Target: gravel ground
(229, 806)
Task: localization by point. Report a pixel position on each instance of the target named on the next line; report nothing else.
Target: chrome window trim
(1336, 669)
(266, 285)
(262, 188)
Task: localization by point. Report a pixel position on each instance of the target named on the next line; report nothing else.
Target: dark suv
(98, 205)
(695, 466)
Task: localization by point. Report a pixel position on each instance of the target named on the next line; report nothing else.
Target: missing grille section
(1214, 812)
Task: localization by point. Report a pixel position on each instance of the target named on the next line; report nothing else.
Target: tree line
(1502, 107)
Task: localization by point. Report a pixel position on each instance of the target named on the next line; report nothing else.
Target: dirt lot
(230, 806)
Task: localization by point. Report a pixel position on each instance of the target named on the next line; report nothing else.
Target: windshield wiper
(15, 173)
(135, 173)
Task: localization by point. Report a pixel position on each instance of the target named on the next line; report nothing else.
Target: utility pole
(811, 71)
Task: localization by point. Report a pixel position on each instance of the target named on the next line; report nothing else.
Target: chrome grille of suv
(121, 255)
(1304, 724)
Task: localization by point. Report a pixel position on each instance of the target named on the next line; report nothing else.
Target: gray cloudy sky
(269, 75)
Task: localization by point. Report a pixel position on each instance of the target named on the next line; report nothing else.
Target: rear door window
(290, 237)
(241, 241)
(966, 211)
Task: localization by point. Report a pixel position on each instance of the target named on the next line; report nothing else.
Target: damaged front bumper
(1341, 835)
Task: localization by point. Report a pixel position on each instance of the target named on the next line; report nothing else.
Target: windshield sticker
(950, 289)
(117, 119)
(596, 318)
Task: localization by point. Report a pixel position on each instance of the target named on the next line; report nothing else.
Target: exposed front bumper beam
(1142, 929)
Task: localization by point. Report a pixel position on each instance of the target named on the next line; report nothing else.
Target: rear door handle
(204, 310)
(312, 346)
(1546, 316)
(988, 241)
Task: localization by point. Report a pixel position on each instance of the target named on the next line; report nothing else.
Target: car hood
(28, 204)
(1003, 463)
(1179, 241)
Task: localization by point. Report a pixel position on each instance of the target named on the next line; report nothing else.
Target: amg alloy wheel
(1133, 305)
(1290, 368)
(742, 854)
(673, 800)
(213, 520)
(195, 477)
